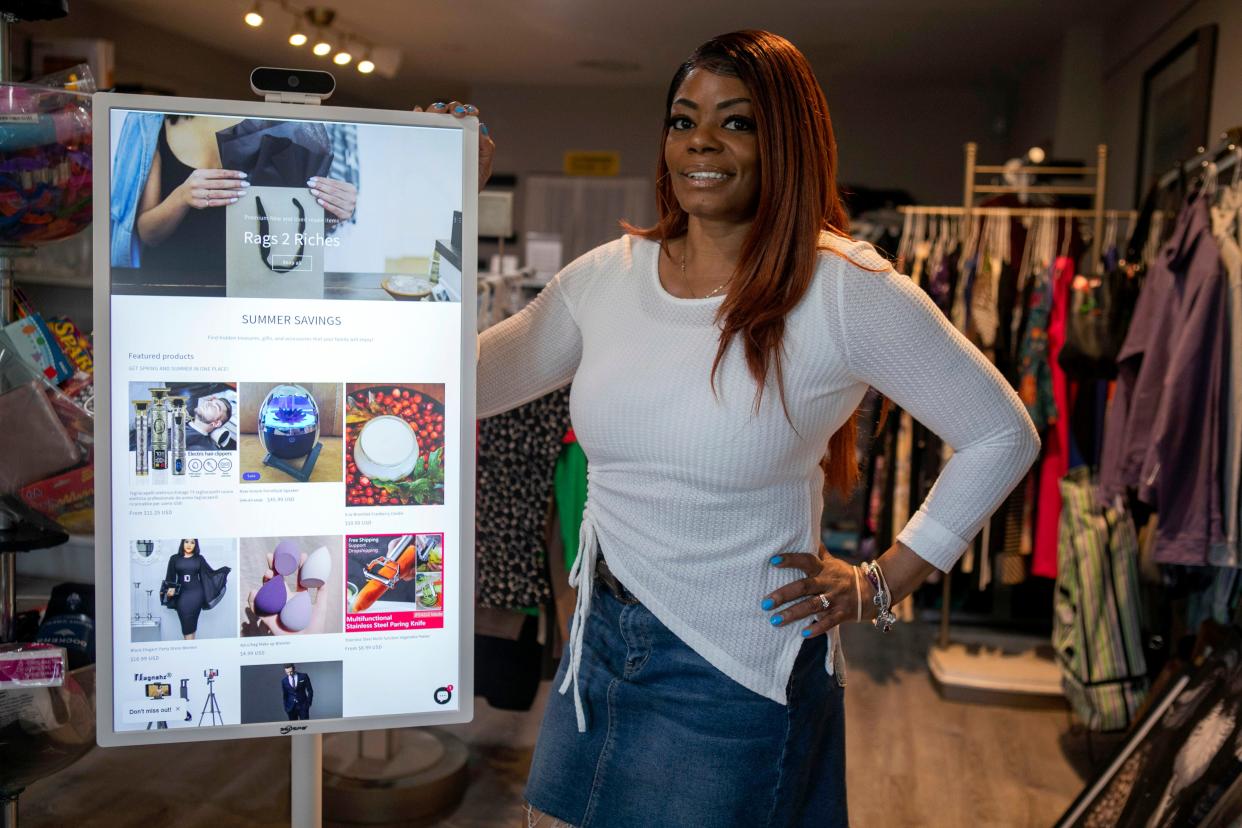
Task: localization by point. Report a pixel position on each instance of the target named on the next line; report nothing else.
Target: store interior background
(908, 84)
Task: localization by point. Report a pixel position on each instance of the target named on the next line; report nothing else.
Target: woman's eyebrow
(689, 104)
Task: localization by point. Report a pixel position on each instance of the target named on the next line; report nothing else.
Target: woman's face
(712, 150)
(188, 546)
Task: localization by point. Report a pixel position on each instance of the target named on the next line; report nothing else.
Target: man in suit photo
(298, 693)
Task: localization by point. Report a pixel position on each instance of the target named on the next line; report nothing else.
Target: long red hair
(798, 200)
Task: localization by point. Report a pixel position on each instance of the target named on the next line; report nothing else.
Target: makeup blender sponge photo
(271, 597)
(297, 612)
(285, 558)
(317, 569)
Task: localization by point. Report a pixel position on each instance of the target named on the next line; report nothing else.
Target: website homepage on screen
(286, 401)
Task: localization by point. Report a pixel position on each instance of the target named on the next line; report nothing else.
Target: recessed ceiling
(572, 42)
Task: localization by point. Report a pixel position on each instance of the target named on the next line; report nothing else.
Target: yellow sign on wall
(592, 163)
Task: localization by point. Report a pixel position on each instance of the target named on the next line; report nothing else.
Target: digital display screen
(286, 425)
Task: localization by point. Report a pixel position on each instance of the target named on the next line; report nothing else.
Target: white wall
(1140, 37)
(893, 133)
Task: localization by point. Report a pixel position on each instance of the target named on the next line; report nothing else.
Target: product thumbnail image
(396, 582)
(394, 444)
(291, 691)
(183, 430)
(182, 589)
(178, 691)
(292, 585)
(291, 432)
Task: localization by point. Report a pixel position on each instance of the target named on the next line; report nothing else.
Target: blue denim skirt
(672, 741)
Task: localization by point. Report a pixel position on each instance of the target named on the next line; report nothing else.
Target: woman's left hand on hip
(827, 592)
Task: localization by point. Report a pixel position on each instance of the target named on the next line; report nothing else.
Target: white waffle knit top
(690, 492)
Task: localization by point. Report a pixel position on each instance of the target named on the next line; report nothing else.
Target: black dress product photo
(199, 587)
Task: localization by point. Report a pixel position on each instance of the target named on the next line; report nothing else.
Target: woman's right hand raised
(213, 188)
(487, 147)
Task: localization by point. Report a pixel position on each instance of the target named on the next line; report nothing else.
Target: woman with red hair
(717, 360)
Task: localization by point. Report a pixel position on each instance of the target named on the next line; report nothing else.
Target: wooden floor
(914, 760)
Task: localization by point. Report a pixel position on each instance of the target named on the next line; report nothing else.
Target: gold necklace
(686, 280)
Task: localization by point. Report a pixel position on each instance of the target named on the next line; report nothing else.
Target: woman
(191, 585)
(717, 358)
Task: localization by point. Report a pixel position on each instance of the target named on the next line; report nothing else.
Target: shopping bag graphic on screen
(275, 244)
(276, 153)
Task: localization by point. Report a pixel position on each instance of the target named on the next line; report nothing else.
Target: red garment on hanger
(1056, 452)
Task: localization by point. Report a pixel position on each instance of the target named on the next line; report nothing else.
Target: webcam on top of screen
(304, 86)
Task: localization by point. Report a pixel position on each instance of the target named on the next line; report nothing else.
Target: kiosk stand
(376, 675)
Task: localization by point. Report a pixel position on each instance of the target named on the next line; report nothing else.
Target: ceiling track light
(297, 34)
(318, 20)
(254, 17)
(322, 44)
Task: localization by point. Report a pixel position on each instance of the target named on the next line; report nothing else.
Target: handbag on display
(275, 244)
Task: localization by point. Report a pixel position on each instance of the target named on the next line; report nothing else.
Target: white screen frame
(462, 592)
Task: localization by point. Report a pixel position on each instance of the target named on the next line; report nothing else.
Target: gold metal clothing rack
(958, 670)
(1096, 178)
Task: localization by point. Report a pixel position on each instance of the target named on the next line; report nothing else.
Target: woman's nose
(703, 139)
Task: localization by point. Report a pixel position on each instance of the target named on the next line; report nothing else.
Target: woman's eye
(740, 123)
(679, 122)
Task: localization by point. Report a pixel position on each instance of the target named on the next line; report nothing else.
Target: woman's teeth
(707, 176)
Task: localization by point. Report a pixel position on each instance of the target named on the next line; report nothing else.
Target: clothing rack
(1096, 177)
(959, 671)
(1229, 142)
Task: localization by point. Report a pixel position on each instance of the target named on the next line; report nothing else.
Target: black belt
(609, 581)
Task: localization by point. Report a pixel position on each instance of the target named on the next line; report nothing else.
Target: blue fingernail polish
(483, 129)
(806, 633)
(460, 109)
(439, 105)
(776, 559)
(775, 619)
(768, 603)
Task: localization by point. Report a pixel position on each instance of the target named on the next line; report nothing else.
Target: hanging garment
(570, 482)
(1227, 228)
(1099, 316)
(1056, 456)
(517, 460)
(1034, 370)
(1096, 628)
(1181, 470)
(1143, 363)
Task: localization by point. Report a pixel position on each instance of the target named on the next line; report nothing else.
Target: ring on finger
(823, 600)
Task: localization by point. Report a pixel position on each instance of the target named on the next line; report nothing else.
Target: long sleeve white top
(690, 491)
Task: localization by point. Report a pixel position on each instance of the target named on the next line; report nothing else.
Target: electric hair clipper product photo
(177, 436)
(142, 448)
(159, 429)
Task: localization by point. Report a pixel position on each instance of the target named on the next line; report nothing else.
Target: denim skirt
(672, 741)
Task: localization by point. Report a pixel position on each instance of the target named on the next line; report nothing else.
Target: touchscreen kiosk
(285, 418)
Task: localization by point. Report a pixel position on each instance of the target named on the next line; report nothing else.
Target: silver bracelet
(883, 600)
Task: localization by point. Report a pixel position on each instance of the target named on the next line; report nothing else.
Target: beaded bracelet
(883, 600)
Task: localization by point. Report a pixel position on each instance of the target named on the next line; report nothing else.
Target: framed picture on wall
(1177, 99)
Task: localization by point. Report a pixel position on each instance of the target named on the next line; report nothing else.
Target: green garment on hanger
(569, 482)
